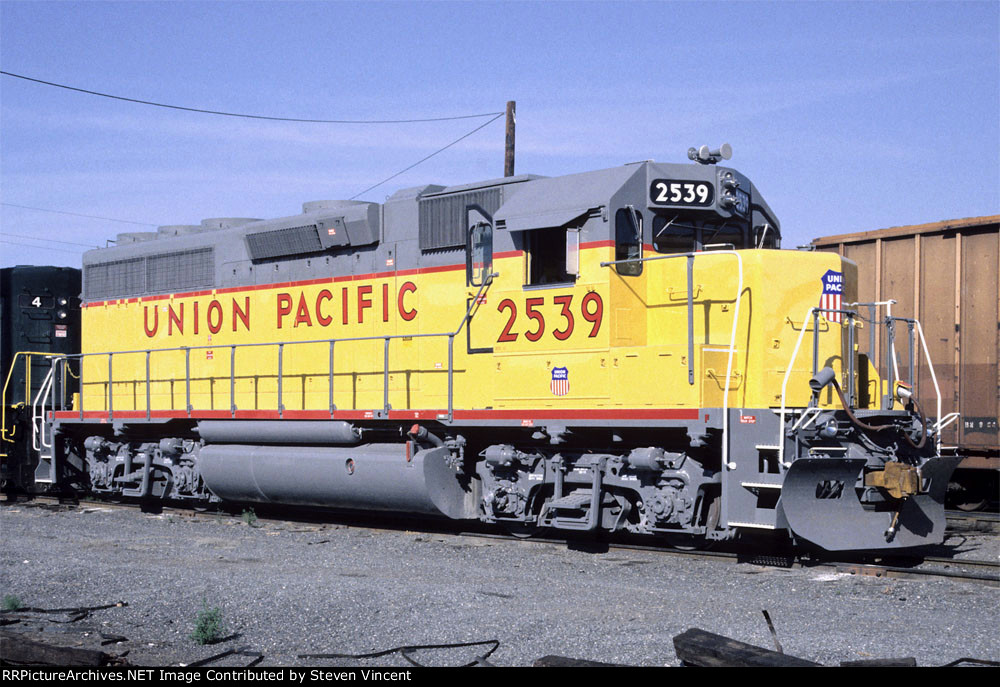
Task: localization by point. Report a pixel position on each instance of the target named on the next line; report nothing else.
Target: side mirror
(479, 246)
(573, 252)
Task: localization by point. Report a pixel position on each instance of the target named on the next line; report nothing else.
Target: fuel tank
(387, 477)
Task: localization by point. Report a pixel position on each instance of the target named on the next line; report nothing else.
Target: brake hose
(879, 428)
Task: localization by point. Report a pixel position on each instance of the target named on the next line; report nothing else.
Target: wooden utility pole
(508, 158)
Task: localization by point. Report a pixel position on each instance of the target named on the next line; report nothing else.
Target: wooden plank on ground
(700, 648)
(567, 662)
(16, 649)
(908, 662)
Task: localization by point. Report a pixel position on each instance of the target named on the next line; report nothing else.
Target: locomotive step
(578, 499)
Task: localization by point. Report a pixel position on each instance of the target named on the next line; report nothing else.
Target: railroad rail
(896, 567)
(967, 521)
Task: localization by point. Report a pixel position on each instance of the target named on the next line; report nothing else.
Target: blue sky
(847, 116)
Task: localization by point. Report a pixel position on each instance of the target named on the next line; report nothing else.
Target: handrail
(811, 414)
(851, 314)
(913, 322)
(784, 388)
(27, 384)
(891, 343)
(814, 313)
(38, 428)
(937, 389)
(945, 421)
(63, 360)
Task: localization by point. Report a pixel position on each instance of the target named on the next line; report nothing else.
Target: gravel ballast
(290, 588)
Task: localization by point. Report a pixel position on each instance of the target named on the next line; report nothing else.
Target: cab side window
(628, 241)
(546, 250)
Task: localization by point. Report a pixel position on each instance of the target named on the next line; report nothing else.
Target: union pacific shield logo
(560, 381)
(832, 297)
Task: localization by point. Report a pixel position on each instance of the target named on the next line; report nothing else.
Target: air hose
(880, 428)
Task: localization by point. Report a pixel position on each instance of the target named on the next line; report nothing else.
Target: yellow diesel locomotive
(624, 350)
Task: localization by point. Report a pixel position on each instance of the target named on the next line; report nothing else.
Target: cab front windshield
(679, 234)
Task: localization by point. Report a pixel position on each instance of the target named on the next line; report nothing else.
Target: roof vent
(317, 205)
(226, 222)
(179, 229)
(135, 237)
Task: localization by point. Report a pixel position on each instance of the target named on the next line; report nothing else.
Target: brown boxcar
(944, 274)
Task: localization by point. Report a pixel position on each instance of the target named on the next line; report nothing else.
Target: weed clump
(12, 602)
(208, 628)
(249, 517)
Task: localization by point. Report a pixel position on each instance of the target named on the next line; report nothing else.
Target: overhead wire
(249, 116)
(77, 214)
(31, 245)
(424, 159)
(39, 238)
(494, 116)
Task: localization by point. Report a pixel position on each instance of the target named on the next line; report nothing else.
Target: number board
(681, 192)
(28, 301)
(741, 202)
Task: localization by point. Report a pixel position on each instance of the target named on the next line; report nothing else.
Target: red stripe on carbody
(517, 414)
